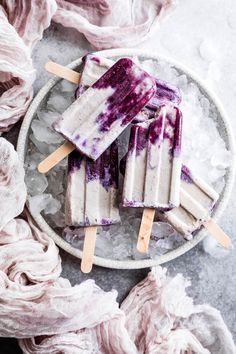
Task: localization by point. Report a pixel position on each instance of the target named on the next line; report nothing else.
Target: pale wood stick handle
(88, 249)
(64, 150)
(145, 230)
(217, 233)
(54, 158)
(63, 72)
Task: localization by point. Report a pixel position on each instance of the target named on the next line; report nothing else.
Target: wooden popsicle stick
(88, 249)
(145, 230)
(54, 158)
(63, 72)
(217, 233)
(64, 150)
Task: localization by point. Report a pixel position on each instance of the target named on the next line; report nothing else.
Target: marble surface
(202, 35)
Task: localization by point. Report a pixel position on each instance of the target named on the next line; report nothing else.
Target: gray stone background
(182, 36)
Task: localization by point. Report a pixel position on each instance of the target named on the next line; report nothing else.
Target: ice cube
(74, 236)
(33, 160)
(44, 148)
(67, 86)
(211, 246)
(44, 134)
(57, 102)
(48, 117)
(58, 219)
(44, 202)
(36, 182)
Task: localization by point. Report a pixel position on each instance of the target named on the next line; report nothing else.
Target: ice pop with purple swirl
(95, 66)
(153, 168)
(92, 189)
(102, 112)
(197, 200)
(92, 196)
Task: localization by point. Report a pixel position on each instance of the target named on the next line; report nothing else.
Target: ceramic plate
(224, 130)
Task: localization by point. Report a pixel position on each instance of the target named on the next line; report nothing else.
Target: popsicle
(100, 115)
(92, 196)
(92, 188)
(165, 94)
(153, 168)
(197, 200)
(181, 218)
(94, 68)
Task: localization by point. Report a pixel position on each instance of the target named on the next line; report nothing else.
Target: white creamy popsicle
(197, 200)
(95, 66)
(106, 108)
(92, 189)
(153, 166)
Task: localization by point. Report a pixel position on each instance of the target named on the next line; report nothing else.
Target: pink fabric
(156, 317)
(12, 186)
(112, 23)
(80, 342)
(16, 75)
(105, 23)
(34, 300)
(29, 18)
(22, 23)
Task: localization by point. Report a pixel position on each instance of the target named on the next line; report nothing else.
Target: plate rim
(145, 263)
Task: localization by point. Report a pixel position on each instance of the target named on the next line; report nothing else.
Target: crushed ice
(211, 246)
(44, 202)
(204, 151)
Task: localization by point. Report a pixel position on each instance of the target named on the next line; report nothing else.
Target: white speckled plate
(224, 130)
